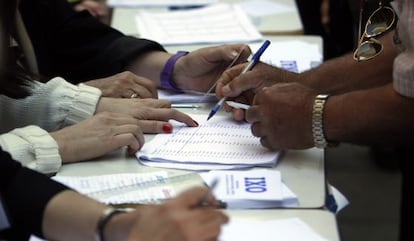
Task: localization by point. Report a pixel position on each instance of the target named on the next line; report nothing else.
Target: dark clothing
(25, 194)
(75, 45)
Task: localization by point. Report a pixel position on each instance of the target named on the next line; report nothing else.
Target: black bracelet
(103, 220)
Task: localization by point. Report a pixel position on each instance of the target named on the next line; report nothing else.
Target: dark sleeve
(25, 194)
(76, 45)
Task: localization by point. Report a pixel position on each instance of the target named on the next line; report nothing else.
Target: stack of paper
(256, 188)
(129, 188)
(217, 23)
(220, 143)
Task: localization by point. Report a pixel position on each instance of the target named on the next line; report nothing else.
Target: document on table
(291, 229)
(220, 143)
(159, 3)
(294, 55)
(250, 189)
(217, 23)
(130, 188)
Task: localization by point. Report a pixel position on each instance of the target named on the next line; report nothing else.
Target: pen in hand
(250, 65)
(204, 201)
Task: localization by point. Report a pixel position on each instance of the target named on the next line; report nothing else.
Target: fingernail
(196, 123)
(167, 128)
(226, 89)
(234, 53)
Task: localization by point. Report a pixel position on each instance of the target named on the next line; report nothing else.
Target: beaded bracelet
(166, 73)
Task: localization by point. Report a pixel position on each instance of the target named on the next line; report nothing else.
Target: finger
(155, 103)
(166, 114)
(145, 88)
(127, 94)
(256, 129)
(133, 129)
(253, 114)
(190, 198)
(227, 77)
(130, 136)
(264, 140)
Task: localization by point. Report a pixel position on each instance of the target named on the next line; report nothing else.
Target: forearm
(344, 74)
(149, 65)
(70, 216)
(353, 117)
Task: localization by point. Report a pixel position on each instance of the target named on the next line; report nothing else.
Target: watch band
(317, 121)
(166, 78)
(104, 219)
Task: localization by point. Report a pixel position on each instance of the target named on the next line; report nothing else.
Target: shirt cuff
(33, 147)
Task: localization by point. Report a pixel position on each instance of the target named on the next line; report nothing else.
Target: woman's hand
(99, 135)
(200, 69)
(178, 220)
(125, 85)
(152, 114)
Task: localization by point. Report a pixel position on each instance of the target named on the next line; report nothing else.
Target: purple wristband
(166, 78)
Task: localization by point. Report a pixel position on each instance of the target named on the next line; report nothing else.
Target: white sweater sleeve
(33, 147)
(51, 106)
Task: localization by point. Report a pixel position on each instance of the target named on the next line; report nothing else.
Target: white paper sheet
(217, 23)
(292, 229)
(221, 141)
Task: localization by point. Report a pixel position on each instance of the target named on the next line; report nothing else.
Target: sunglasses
(378, 23)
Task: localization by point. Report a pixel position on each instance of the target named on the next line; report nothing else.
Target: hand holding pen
(255, 59)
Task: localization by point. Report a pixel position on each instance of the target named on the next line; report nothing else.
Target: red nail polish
(167, 128)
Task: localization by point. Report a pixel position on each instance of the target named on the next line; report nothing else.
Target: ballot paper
(251, 189)
(220, 143)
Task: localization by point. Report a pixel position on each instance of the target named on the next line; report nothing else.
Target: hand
(281, 115)
(124, 85)
(178, 220)
(96, 8)
(97, 136)
(242, 88)
(200, 69)
(152, 114)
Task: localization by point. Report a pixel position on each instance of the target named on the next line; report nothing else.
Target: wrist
(110, 225)
(166, 76)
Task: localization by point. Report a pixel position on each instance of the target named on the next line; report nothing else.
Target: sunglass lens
(368, 50)
(380, 21)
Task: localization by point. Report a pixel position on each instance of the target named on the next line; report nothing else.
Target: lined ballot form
(217, 23)
(220, 143)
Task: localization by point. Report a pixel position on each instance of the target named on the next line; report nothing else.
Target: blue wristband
(166, 78)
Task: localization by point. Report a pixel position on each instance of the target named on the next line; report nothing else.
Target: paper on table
(260, 8)
(217, 23)
(295, 56)
(254, 188)
(221, 143)
(159, 3)
(127, 188)
(292, 229)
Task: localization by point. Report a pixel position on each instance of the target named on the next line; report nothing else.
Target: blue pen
(252, 63)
